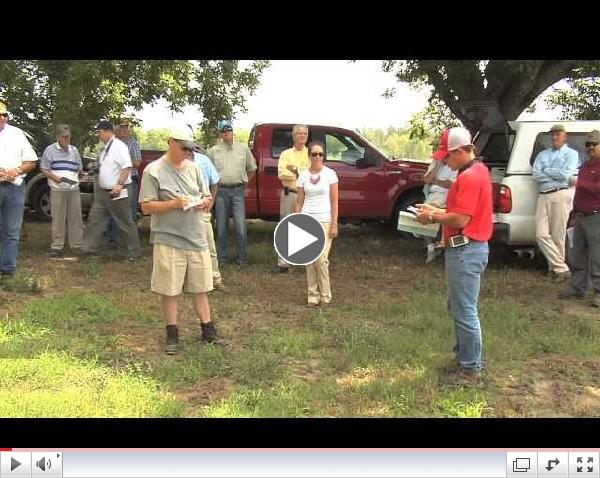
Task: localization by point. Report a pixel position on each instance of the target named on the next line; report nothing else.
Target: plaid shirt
(134, 152)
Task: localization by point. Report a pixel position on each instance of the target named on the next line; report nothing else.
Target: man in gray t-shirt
(175, 194)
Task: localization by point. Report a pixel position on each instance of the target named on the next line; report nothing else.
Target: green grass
(378, 352)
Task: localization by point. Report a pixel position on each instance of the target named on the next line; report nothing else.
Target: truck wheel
(410, 199)
(40, 202)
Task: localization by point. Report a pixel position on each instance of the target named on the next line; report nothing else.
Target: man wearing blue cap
(236, 165)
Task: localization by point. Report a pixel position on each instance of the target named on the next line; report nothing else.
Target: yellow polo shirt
(295, 158)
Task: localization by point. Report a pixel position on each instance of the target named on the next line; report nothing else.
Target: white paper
(192, 205)
(123, 194)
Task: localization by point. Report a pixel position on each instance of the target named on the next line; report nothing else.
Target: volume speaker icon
(43, 464)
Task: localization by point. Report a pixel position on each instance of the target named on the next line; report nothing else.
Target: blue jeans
(464, 266)
(132, 190)
(12, 205)
(231, 199)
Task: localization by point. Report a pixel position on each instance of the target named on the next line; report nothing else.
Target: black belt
(232, 186)
(553, 190)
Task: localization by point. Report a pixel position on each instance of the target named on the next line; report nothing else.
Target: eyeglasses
(316, 155)
(4, 114)
(591, 145)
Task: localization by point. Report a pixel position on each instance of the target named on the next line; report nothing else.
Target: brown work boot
(467, 378)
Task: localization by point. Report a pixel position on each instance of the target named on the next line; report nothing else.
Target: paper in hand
(123, 194)
(68, 181)
(193, 204)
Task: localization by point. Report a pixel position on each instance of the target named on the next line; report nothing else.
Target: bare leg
(169, 308)
(202, 307)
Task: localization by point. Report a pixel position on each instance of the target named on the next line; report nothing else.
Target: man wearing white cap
(467, 228)
(175, 194)
(553, 169)
(17, 158)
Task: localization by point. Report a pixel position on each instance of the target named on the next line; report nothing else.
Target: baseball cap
(452, 139)
(63, 130)
(3, 110)
(593, 137)
(458, 137)
(224, 125)
(558, 127)
(184, 136)
(442, 151)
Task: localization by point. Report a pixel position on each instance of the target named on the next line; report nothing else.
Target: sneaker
(313, 305)
(467, 378)
(209, 332)
(570, 293)
(281, 270)
(172, 340)
(129, 259)
(595, 302)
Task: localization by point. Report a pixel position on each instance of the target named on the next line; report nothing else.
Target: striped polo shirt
(65, 164)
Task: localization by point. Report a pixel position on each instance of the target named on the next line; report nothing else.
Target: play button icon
(299, 239)
(14, 464)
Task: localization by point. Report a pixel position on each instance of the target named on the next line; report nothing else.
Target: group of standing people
(180, 189)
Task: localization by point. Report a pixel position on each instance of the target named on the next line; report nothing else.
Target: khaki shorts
(173, 268)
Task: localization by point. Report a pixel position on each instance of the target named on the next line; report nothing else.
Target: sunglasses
(4, 114)
(591, 145)
(316, 155)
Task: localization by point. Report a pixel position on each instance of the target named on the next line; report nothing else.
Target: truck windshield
(374, 146)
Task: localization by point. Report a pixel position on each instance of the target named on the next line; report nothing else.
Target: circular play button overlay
(299, 239)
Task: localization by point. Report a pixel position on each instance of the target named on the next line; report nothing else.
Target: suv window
(496, 151)
(575, 141)
(342, 148)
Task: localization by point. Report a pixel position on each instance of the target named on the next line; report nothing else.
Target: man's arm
(136, 154)
(250, 164)
(567, 170)
(45, 168)
(538, 173)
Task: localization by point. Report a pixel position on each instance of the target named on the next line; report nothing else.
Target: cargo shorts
(177, 270)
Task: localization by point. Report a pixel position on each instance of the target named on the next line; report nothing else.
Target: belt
(552, 190)
(232, 186)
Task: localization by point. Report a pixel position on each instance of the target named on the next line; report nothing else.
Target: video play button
(14, 464)
(299, 239)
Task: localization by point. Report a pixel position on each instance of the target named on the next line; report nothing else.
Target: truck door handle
(271, 171)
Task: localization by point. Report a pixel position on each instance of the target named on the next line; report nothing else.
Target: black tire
(410, 199)
(40, 202)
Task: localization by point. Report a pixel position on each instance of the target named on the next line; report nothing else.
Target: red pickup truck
(372, 186)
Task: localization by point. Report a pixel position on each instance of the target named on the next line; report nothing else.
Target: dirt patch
(204, 393)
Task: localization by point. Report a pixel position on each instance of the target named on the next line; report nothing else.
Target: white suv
(509, 152)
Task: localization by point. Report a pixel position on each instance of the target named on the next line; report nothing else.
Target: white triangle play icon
(298, 239)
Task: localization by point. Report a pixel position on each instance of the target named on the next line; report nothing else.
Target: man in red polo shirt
(585, 258)
(467, 226)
